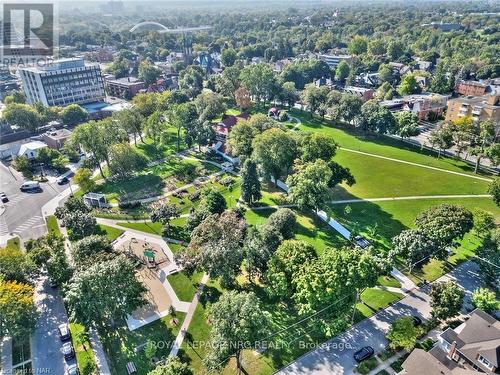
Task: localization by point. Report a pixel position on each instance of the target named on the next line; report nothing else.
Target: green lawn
(84, 354)
(123, 346)
(111, 232)
(52, 225)
(347, 137)
(379, 178)
(185, 286)
(373, 299)
(13, 244)
(143, 226)
(388, 281)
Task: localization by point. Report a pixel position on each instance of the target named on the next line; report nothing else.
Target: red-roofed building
(224, 127)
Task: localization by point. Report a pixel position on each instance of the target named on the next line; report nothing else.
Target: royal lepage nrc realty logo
(28, 30)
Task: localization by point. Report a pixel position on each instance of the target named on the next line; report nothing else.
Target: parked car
(4, 197)
(73, 370)
(68, 351)
(363, 353)
(62, 180)
(64, 332)
(52, 283)
(416, 320)
(30, 186)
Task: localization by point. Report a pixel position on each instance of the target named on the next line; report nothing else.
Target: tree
(22, 115)
(92, 301)
(125, 160)
(289, 94)
(285, 264)
(243, 98)
(440, 83)
(237, 323)
(22, 164)
(131, 121)
(415, 248)
(148, 72)
(408, 85)
(228, 82)
(209, 105)
(315, 98)
(406, 124)
(173, 366)
(241, 137)
(275, 150)
(445, 223)
(191, 80)
(17, 309)
(79, 225)
(250, 184)
(182, 116)
(89, 246)
(485, 300)
(72, 204)
(164, 213)
(83, 177)
(348, 108)
(494, 190)
(446, 300)
(228, 57)
(73, 114)
(484, 145)
(260, 245)
(403, 334)
(358, 45)
(315, 146)
(376, 47)
(283, 221)
(15, 97)
(216, 247)
(211, 202)
(205, 134)
(342, 71)
(442, 137)
(145, 103)
(376, 118)
(308, 186)
(15, 265)
(488, 257)
(385, 73)
(258, 79)
(334, 279)
(484, 222)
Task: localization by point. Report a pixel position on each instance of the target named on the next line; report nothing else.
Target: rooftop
(126, 81)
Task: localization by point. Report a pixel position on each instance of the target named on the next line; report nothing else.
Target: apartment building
(333, 60)
(471, 88)
(480, 108)
(126, 87)
(63, 82)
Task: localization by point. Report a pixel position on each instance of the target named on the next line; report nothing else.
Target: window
(485, 362)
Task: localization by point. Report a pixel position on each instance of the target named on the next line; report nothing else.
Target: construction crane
(187, 41)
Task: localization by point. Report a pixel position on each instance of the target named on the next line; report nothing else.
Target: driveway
(335, 356)
(45, 344)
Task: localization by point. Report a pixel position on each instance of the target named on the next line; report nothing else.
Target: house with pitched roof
(471, 348)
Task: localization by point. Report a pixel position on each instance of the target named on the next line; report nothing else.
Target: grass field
(52, 225)
(111, 232)
(84, 354)
(185, 286)
(123, 346)
(13, 244)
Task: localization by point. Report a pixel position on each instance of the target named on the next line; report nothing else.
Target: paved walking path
(189, 316)
(413, 197)
(415, 164)
(99, 355)
(406, 283)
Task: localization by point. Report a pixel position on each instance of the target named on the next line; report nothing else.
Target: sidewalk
(99, 355)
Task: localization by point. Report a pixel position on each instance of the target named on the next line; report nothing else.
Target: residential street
(330, 359)
(22, 216)
(46, 345)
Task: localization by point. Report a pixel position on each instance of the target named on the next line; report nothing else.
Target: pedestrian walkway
(189, 316)
(406, 283)
(99, 355)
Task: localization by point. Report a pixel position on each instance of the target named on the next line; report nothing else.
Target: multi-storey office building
(63, 82)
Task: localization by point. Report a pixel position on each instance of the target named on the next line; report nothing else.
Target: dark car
(62, 180)
(4, 197)
(64, 332)
(67, 350)
(363, 353)
(73, 370)
(416, 320)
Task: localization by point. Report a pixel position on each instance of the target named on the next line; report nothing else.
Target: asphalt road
(45, 343)
(336, 355)
(23, 215)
